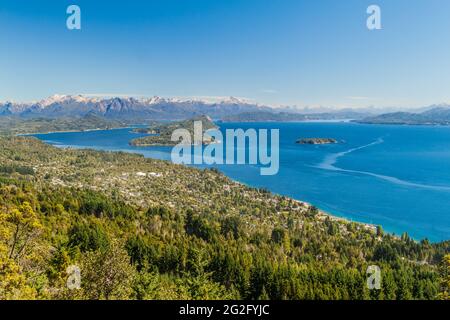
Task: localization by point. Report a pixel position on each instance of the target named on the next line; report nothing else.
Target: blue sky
(288, 52)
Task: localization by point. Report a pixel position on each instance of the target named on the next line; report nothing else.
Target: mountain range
(433, 115)
(144, 110)
(157, 108)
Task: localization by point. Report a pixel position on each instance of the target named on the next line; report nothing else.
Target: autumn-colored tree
(25, 228)
(13, 283)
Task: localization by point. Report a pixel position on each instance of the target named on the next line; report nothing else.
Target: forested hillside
(147, 229)
(16, 125)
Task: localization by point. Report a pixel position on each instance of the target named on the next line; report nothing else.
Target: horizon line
(218, 99)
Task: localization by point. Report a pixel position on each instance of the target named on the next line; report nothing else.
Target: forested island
(147, 229)
(161, 134)
(316, 141)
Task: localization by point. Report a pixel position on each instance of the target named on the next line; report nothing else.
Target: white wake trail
(330, 160)
(329, 164)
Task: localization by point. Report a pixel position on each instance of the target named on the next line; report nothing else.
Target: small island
(317, 141)
(160, 135)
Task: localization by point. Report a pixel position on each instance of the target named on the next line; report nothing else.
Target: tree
(26, 227)
(281, 236)
(13, 284)
(445, 278)
(278, 235)
(232, 225)
(200, 227)
(154, 286)
(107, 274)
(379, 231)
(88, 237)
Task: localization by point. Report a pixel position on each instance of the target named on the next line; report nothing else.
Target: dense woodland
(90, 121)
(146, 229)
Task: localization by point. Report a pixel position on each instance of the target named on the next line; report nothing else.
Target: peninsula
(161, 134)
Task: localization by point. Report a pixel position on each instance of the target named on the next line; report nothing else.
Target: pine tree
(445, 279)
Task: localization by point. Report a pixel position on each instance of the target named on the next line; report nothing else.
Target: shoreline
(71, 131)
(322, 214)
(350, 217)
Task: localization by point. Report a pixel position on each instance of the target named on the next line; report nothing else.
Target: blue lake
(394, 176)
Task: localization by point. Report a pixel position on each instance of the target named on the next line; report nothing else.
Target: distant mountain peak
(155, 100)
(62, 98)
(441, 106)
(235, 100)
(52, 99)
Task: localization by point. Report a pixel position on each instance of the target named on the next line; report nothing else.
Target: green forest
(141, 229)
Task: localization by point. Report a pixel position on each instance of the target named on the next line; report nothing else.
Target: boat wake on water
(329, 163)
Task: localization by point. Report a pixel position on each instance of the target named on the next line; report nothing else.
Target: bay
(394, 176)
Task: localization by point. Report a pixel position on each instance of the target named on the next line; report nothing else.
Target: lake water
(394, 176)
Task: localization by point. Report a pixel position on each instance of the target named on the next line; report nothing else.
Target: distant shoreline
(74, 131)
(294, 121)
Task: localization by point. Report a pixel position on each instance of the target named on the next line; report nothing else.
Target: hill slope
(434, 116)
(147, 229)
(90, 121)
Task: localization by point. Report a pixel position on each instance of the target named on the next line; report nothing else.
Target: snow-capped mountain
(158, 108)
(11, 108)
(65, 99)
(129, 108)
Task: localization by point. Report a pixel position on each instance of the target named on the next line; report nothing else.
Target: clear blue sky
(314, 52)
